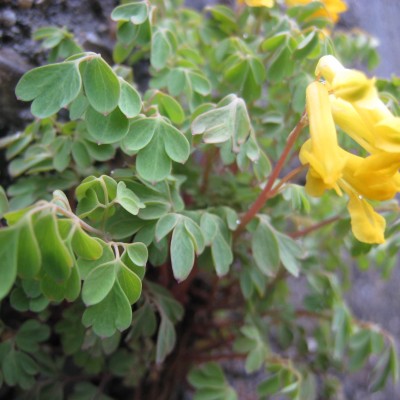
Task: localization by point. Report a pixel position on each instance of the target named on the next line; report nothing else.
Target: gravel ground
(376, 300)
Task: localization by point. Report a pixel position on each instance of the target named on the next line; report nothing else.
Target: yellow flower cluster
(257, 3)
(348, 99)
(332, 8)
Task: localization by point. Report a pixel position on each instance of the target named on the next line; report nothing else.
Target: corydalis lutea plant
(183, 213)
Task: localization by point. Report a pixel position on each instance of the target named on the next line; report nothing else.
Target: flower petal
(367, 225)
(324, 155)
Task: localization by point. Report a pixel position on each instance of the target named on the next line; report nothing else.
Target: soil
(87, 20)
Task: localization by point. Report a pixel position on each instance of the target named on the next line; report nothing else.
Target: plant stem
(266, 193)
(287, 178)
(312, 228)
(208, 164)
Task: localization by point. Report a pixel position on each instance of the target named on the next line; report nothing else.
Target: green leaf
(30, 334)
(210, 383)
(195, 233)
(8, 257)
(60, 290)
(127, 199)
(153, 163)
(221, 254)
(78, 107)
(130, 102)
(29, 259)
(51, 87)
(169, 107)
(165, 225)
(73, 285)
(18, 369)
(289, 252)
(85, 246)
(306, 46)
(270, 386)
(80, 155)
(281, 66)
(163, 44)
(157, 142)
(113, 313)
(101, 84)
(109, 128)
(140, 133)
(209, 227)
(99, 283)
(56, 258)
(130, 284)
(230, 121)
(182, 253)
(224, 15)
(138, 253)
(166, 339)
(62, 156)
(176, 145)
(381, 371)
(273, 42)
(3, 202)
(265, 248)
(50, 35)
(246, 74)
(135, 11)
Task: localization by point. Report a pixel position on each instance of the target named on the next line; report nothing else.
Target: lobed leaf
(101, 84)
(51, 87)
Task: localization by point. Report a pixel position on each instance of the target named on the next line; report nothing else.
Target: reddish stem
(313, 228)
(287, 178)
(266, 193)
(208, 164)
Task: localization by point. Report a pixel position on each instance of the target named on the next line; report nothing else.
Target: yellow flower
(257, 3)
(357, 108)
(348, 84)
(367, 225)
(350, 121)
(352, 103)
(332, 8)
(322, 152)
(375, 177)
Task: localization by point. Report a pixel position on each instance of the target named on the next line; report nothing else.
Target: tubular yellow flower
(375, 177)
(349, 120)
(388, 135)
(332, 7)
(258, 3)
(348, 84)
(322, 152)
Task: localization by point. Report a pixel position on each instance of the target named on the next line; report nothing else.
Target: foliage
(148, 236)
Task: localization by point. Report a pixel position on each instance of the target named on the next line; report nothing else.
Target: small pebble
(8, 18)
(25, 4)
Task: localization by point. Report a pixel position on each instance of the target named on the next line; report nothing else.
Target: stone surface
(380, 18)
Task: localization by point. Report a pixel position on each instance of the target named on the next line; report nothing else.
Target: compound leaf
(51, 87)
(113, 313)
